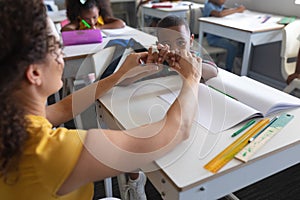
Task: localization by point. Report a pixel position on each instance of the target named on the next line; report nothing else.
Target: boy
(216, 8)
(175, 32)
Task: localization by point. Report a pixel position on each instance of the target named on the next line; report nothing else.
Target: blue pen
(266, 19)
(262, 130)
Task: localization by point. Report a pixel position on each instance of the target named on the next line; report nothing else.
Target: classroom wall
(280, 7)
(60, 4)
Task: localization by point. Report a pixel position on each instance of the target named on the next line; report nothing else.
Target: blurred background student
(216, 8)
(88, 14)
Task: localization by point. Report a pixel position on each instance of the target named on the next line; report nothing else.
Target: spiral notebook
(81, 37)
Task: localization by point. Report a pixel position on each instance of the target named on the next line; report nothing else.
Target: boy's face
(177, 37)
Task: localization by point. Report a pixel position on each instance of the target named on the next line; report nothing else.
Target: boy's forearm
(224, 12)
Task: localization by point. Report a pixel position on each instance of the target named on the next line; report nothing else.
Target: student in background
(86, 14)
(216, 8)
(38, 161)
(175, 32)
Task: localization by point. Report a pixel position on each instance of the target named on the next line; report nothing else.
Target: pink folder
(81, 37)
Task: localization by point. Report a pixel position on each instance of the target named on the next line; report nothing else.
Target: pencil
(221, 92)
(243, 128)
(269, 124)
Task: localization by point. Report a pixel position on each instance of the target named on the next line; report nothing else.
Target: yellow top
(48, 158)
(99, 21)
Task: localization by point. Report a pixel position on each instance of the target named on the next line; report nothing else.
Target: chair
(289, 52)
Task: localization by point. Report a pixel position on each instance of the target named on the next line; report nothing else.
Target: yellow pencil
(228, 154)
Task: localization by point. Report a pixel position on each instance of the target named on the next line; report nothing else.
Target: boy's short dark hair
(173, 20)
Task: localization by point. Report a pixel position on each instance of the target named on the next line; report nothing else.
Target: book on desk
(225, 102)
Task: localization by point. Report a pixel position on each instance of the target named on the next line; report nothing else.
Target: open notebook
(218, 112)
(81, 37)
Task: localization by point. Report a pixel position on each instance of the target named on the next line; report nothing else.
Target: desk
(180, 9)
(180, 174)
(246, 27)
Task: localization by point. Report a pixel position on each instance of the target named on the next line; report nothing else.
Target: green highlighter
(85, 23)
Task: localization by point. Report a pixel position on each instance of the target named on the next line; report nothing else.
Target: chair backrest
(289, 48)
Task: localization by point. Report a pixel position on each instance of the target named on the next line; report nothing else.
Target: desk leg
(246, 56)
(231, 196)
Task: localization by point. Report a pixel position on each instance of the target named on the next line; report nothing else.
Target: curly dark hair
(74, 7)
(24, 40)
(172, 20)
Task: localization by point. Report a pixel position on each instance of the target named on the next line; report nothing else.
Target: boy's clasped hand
(151, 62)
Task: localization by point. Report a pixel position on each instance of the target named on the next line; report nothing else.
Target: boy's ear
(34, 74)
